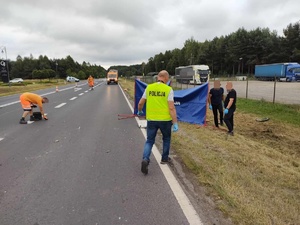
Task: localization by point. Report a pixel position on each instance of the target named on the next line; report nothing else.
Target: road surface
(82, 166)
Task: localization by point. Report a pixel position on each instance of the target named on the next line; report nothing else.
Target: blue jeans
(152, 128)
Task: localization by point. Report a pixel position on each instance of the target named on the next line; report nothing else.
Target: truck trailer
(193, 74)
(279, 71)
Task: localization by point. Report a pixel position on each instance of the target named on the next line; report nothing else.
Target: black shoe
(166, 161)
(230, 133)
(22, 121)
(144, 168)
(222, 124)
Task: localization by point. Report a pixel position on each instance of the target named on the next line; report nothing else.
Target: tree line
(43, 67)
(236, 53)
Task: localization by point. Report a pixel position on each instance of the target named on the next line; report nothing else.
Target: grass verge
(280, 112)
(253, 176)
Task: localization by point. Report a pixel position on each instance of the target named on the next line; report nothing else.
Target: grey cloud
(127, 32)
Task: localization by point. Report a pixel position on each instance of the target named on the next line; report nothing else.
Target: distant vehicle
(112, 76)
(16, 80)
(72, 79)
(282, 71)
(152, 74)
(193, 74)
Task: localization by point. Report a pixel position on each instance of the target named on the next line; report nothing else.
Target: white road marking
(86, 91)
(73, 98)
(81, 94)
(184, 202)
(60, 105)
(77, 89)
(1, 139)
(52, 92)
(11, 103)
(30, 122)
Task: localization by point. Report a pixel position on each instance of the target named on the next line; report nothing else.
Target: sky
(128, 32)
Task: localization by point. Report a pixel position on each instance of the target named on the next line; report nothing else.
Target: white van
(72, 79)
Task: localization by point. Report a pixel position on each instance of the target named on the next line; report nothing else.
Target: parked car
(72, 79)
(16, 80)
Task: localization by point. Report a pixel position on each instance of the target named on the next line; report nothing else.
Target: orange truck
(112, 76)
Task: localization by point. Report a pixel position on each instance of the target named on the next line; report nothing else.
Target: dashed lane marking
(60, 105)
(11, 103)
(71, 99)
(81, 94)
(77, 89)
(52, 92)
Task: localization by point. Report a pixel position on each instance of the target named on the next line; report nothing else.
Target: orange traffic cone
(56, 88)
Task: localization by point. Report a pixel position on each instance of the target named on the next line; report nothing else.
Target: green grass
(280, 112)
(251, 180)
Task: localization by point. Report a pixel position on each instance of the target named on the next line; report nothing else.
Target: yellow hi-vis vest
(157, 108)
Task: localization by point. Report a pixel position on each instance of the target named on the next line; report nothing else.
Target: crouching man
(29, 101)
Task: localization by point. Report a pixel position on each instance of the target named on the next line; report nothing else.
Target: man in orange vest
(91, 82)
(160, 114)
(29, 101)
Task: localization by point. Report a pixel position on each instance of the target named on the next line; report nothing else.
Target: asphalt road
(82, 166)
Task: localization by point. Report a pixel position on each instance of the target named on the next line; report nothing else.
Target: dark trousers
(215, 109)
(228, 119)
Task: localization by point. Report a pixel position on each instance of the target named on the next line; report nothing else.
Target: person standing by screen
(230, 107)
(215, 100)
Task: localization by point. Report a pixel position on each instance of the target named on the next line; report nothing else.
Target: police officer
(160, 114)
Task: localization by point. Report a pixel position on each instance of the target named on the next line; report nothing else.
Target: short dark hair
(45, 99)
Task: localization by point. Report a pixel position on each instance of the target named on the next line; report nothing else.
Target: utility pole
(4, 66)
(191, 59)
(162, 65)
(56, 64)
(240, 64)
